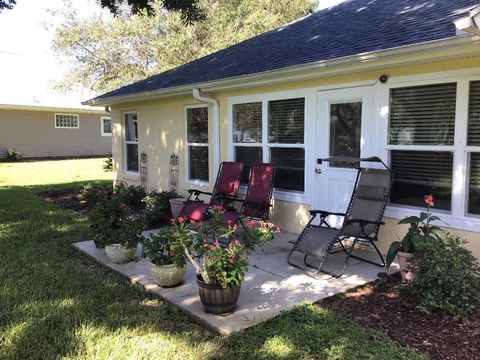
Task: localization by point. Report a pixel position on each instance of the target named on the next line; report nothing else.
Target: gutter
(216, 124)
(458, 46)
(471, 23)
(52, 109)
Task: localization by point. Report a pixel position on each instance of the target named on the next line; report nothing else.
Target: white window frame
(196, 182)
(66, 127)
(102, 119)
(458, 216)
(309, 111)
(135, 174)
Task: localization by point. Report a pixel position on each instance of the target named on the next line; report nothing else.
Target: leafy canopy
(106, 54)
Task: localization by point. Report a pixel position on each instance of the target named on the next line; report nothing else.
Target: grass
(56, 303)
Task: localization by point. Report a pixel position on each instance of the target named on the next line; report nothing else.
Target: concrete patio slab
(270, 286)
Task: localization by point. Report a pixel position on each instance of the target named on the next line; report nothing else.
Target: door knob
(318, 171)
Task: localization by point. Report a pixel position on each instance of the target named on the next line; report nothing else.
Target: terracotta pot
(120, 254)
(167, 275)
(403, 264)
(176, 205)
(215, 299)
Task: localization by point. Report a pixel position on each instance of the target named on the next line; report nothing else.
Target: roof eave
(47, 108)
(405, 55)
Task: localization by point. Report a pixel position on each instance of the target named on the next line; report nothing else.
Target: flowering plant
(420, 230)
(222, 258)
(164, 248)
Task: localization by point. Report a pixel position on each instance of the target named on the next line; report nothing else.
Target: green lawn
(56, 303)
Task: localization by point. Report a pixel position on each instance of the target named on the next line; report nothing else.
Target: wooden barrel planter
(215, 299)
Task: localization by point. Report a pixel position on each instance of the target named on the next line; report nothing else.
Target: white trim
(66, 127)
(188, 180)
(60, 109)
(102, 118)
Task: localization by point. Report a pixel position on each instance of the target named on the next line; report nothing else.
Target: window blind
(286, 120)
(418, 173)
(197, 125)
(474, 184)
(423, 115)
(198, 157)
(289, 168)
(247, 123)
(247, 155)
(474, 114)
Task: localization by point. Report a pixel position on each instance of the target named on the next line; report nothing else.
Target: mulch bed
(380, 305)
(68, 199)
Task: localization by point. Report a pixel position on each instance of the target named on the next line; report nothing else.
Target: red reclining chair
(259, 195)
(224, 192)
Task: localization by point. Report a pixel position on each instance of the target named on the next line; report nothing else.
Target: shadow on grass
(58, 303)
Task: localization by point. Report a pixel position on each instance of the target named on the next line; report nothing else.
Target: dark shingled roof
(350, 28)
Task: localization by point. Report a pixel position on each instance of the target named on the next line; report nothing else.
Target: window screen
(197, 143)
(474, 114)
(286, 120)
(247, 123)
(289, 168)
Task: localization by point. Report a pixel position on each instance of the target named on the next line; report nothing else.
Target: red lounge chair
(259, 195)
(223, 194)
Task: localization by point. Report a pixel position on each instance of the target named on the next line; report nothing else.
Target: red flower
(231, 260)
(181, 219)
(250, 225)
(171, 253)
(429, 200)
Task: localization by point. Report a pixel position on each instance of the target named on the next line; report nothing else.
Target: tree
(108, 54)
(6, 4)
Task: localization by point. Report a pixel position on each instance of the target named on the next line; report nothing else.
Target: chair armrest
(198, 192)
(324, 214)
(363, 222)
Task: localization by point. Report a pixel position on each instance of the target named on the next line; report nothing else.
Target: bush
(130, 194)
(447, 276)
(93, 193)
(12, 155)
(157, 207)
(108, 165)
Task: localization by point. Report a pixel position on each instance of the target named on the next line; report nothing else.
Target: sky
(28, 66)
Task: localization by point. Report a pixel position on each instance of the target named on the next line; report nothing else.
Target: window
(106, 126)
(421, 137)
(197, 143)
(277, 137)
(473, 141)
(69, 121)
(131, 142)
(345, 129)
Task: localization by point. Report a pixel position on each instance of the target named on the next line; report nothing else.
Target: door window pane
(247, 123)
(474, 184)
(131, 127)
(247, 155)
(345, 129)
(423, 115)
(419, 173)
(289, 168)
(198, 156)
(286, 120)
(474, 114)
(197, 125)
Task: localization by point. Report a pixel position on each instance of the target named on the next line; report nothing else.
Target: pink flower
(181, 219)
(429, 200)
(250, 225)
(231, 260)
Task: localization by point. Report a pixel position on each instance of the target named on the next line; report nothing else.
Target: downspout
(216, 124)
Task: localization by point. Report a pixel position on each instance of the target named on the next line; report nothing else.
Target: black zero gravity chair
(361, 221)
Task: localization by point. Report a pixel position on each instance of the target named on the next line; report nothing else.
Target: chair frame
(361, 237)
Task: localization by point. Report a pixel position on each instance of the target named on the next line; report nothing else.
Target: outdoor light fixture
(383, 78)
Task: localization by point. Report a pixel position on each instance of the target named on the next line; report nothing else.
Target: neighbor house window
(131, 142)
(197, 143)
(276, 136)
(421, 138)
(473, 142)
(69, 121)
(106, 126)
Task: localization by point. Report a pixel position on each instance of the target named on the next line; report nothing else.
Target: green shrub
(131, 195)
(163, 248)
(157, 207)
(108, 165)
(93, 193)
(447, 276)
(12, 155)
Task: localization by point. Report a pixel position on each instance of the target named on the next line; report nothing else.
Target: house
(38, 131)
(395, 79)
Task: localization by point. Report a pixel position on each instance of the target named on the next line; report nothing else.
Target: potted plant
(167, 257)
(222, 259)
(420, 230)
(115, 229)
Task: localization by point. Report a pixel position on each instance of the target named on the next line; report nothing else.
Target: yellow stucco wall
(162, 131)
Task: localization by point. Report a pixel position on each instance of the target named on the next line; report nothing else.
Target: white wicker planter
(167, 275)
(120, 254)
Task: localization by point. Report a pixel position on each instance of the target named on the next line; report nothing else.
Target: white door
(345, 125)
